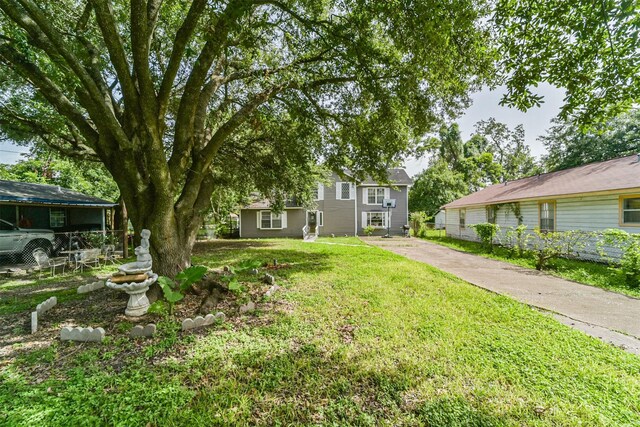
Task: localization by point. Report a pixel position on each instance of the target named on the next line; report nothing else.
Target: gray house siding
(399, 215)
(339, 215)
(249, 224)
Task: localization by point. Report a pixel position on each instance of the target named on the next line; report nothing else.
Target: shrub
(417, 221)
(368, 230)
(487, 233)
(174, 292)
(516, 240)
(554, 244)
(629, 246)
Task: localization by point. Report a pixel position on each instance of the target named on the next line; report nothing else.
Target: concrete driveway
(612, 317)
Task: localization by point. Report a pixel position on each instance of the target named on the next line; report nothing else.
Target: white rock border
(90, 287)
(46, 305)
(143, 331)
(82, 334)
(247, 308)
(41, 308)
(200, 321)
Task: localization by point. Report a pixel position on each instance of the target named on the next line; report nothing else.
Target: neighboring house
(342, 207)
(42, 206)
(592, 197)
(439, 219)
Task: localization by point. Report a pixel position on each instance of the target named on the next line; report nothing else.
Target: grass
(364, 337)
(586, 272)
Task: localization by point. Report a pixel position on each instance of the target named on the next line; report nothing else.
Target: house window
(320, 218)
(547, 215)
(344, 191)
(492, 213)
(376, 219)
(375, 196)
(57, 217)
(270, 220)
(630, 210)
(463, 217)
(318, 192)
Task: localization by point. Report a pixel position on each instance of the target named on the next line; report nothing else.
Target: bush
(487, 233)
(417, 221)
(517, 241)
(629, 246)
(368, 230)
(554, 244)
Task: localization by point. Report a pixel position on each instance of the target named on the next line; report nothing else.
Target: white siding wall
(587, 213)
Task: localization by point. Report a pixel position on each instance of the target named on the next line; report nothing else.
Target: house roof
(396, 176)
(29, 193)
(617, 174)
(266, 204)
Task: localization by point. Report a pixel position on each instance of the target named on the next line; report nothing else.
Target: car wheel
(27, 252)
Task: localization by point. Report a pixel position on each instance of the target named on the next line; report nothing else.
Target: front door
(312, 221)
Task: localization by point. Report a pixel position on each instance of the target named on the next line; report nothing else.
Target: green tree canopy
(177, 99)
(436, 186)
(589, 48)
(46, 168)
(493, 154)
(569, 145)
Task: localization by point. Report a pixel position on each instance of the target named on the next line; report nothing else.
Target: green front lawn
(359, 336)
(587, 272)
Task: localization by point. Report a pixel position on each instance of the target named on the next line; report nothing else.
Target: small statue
(143, 261)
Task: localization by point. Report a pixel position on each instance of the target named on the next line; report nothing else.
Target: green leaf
(167, 289)
(190, 275)
(158, 307)
(248, 265)
(234, 285)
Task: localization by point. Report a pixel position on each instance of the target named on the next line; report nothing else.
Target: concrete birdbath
(134, 278)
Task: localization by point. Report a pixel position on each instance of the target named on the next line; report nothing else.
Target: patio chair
(109, 254)
(43, 261)
(87, 258)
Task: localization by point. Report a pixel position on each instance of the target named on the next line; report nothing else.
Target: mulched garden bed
(42, 355)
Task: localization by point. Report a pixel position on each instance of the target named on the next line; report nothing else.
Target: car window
(5, 226)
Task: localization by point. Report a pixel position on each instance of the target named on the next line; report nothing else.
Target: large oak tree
(178, 99)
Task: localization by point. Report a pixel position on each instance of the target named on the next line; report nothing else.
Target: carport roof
(14, 192)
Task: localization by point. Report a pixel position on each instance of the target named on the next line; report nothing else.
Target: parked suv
(23, 241)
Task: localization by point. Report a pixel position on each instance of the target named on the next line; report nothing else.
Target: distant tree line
(495, 153)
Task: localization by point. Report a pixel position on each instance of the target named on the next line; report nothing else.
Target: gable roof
(30, 193)
(396, 176)
(617, 174)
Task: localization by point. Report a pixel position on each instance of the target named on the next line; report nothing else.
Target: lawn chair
(89, 257)
(43, 261)
(109, 254)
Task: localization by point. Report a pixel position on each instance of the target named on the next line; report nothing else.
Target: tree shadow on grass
(304, 385)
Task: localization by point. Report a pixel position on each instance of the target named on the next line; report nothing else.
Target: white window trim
(319, 218)
(365, 195)
(367, 219)
(623, 210)
(320, 192)
(283, 220)
(462, 213)
(352, 190)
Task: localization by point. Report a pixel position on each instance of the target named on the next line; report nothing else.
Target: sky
(485, 105)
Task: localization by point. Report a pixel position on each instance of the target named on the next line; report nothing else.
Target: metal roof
(28, 193)
(617, 174)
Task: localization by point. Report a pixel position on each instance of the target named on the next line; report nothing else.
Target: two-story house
(341, 207)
